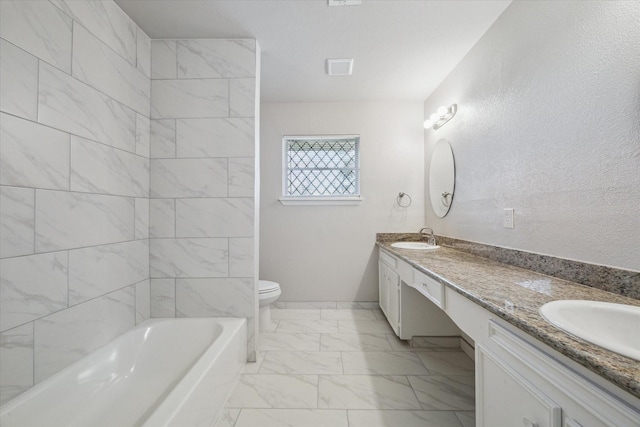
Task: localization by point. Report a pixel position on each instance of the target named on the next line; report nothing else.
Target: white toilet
(268, 293)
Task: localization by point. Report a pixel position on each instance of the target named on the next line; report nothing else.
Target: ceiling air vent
(340, 67)
(345, 2)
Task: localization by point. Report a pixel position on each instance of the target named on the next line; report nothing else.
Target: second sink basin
(615, 327)
(414, 245)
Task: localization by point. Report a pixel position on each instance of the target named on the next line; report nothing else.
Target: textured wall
(548, 124)
(74, 184)
(327, 253)
(202, 179)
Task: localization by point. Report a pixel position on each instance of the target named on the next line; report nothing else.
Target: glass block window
(322, 166)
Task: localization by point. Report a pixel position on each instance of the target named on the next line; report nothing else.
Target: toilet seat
(268, 293)
(266, 286)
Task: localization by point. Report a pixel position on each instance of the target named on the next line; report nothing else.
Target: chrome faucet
(428, 236)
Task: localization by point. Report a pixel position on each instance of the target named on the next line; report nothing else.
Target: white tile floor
(346, 368)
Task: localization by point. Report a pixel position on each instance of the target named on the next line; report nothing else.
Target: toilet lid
(267, 286)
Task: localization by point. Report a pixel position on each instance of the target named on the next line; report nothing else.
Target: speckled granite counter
(490, 283)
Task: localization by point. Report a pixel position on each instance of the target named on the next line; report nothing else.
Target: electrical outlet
(508, 218)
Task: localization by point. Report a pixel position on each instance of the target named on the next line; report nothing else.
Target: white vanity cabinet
(389, 289)
(506, 398)
(401, 295)
(523, 383)
(520, 381)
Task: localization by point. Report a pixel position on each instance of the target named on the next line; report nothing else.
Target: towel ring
(399, 200)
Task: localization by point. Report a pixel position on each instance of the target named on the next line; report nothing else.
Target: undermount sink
(615, 327)
(414, 245)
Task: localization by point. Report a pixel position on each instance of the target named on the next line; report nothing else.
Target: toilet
(268, 293)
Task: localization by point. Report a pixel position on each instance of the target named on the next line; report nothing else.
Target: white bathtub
(167, 372)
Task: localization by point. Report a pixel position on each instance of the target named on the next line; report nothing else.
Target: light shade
(440, 117)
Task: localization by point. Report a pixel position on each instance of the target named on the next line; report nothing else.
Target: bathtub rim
(166, 413)
(39, 388)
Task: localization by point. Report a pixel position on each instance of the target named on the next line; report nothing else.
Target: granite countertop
(490, 284)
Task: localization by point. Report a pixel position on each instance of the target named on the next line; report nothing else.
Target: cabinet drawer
(430, 288)
(388, 259)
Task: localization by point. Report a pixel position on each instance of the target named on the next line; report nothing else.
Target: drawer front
(430, 288)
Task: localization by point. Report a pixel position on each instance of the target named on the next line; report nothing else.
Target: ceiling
(402, 49)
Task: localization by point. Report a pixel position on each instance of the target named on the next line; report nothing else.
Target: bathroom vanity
(528, 373)
(403, 303)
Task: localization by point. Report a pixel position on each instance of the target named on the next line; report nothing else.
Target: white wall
(327, 253)
(202, 179)
(74, 175)
(549, 124)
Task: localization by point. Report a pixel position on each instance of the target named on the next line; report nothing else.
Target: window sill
(318, 201)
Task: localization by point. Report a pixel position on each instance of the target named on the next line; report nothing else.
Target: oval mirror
(442, 176)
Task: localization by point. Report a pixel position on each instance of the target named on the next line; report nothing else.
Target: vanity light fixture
(440, 117)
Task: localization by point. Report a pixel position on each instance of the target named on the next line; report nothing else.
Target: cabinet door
(506, 399)
(383, 286)
(393, 305)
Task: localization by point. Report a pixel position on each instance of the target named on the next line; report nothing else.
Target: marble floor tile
(366, 392)
(271, 328)
(397, 344)
(228, 417)
(383, 363)
(292, 418)
(347, 314)
(254, 367)
(302, 362)
(467, 418)
(275, 391)
(354, 342)
(300, 341)
(403, 345)
(310, 372)
(311, 305)
(447, 363)
(374, 305)
(445, 393)
(394, 418)
(294, 314)
(437, 342)
(379, 314)
(364, 327)
(309, 326)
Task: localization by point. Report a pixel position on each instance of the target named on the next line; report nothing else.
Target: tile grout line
(132, 285)
(119, 242)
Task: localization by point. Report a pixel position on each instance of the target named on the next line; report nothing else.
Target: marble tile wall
(202, 210)
(75, 132)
